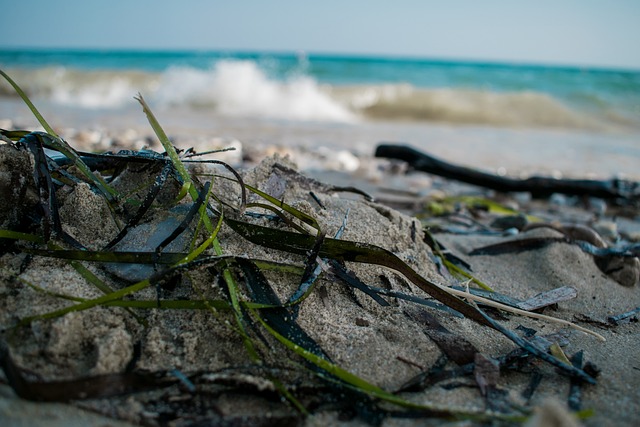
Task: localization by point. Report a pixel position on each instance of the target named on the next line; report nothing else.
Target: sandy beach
(342, 214)
(382, 338)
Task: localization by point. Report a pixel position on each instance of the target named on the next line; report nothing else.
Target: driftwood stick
(616, 189)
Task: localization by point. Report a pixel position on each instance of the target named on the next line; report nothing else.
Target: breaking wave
(241, 88)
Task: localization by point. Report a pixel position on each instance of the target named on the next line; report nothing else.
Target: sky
(603, 33)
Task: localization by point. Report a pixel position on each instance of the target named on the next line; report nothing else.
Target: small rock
(625, 271)
(362, 322)
(518, 222)
(607, 229)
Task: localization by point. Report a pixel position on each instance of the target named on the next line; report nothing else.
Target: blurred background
(518, 87)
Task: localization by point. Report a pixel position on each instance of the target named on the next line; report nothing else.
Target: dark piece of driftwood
(614, 189)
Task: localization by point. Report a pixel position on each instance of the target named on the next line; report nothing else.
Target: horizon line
(338, 54)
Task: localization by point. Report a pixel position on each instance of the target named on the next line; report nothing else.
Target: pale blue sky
(575, 32)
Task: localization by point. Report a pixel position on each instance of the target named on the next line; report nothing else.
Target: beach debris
(575, 392)
(455, 347)
(629, 316)
(547, 298)
(486, 372)
(537, 302)
(435, 374)
(621, 264)
(532, 386)
(617, 190)
(449, 265)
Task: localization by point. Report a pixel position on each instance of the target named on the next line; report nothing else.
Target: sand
(380, 344)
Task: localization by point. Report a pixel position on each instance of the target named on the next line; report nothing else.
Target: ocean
(487, 114)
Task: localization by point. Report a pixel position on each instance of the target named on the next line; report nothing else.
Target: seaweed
(260, 319)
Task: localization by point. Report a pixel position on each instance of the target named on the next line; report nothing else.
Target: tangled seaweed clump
(212, 295)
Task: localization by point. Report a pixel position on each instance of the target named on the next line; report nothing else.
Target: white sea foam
(100, 94)
(240, 88)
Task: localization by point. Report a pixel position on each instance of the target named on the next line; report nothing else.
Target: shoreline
(513, 151)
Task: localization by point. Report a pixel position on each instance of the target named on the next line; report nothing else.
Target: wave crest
(240, 88)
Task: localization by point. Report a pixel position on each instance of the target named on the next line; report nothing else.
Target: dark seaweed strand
(280, 320)
(279, 215)
(350, 278)
(534, 382)
(202, 198)
(415, 299)
(574, 400)
(47, 192)
(533, 243)
(158, 184)
(239, 180)
(619, 318)
(433, 375)
(317, 200)
(48, 203)
(354, 190)
(541, 354)
(313, 269)
(626, 251)
(54, 167)
(519, 245)
(277, 317)
(311, 272)
(131, 257)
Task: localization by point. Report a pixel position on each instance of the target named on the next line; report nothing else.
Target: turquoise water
(303, 87)
(501, 117)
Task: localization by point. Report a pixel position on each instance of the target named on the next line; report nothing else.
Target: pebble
(607, 229)
(517, 222)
